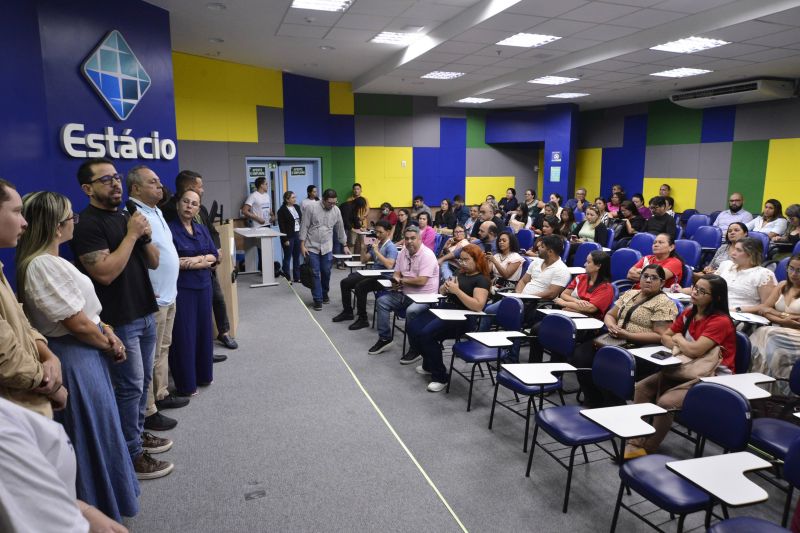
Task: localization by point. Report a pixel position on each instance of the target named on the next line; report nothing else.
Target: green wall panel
(323, 152)
(383, 104)
(343, 170)
(476, 129)
(671, 124)
(748, 171)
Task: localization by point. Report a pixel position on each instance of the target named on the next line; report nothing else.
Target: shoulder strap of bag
(630, 311)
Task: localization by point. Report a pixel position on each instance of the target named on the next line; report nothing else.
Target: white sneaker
(435, 386)
(422, 371)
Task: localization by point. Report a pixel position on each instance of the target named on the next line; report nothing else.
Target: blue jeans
(394, 301)
(486, 323)
(321, 266)
(425, 333)
(291, 254)
(132, 378)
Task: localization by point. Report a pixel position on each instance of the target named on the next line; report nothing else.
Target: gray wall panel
(657, 161)
(602, 133)
(210, 159)
(505, 162)
(715, 161)
(684, 160)
(398, 131)
(369, 130)
(711, 195)
(767, 120)
(270, 125)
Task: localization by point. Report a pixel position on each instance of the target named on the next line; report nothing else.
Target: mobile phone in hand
(661, 355)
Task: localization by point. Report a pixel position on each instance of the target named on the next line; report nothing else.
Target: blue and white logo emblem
(116, 74)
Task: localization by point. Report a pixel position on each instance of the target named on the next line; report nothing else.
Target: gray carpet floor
(302, 430)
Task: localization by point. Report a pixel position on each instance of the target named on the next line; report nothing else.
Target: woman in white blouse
(61, 303)
(749, 284)
(770, 221)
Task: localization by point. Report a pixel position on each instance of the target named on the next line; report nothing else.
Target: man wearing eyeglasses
(416, 271)
(115, 250)
(319, 222)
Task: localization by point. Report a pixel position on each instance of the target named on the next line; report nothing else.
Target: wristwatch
(738, 309)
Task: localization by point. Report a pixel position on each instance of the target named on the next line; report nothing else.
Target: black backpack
(306, 276)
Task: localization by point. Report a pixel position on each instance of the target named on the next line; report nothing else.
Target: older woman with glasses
(62, 305)
(191, 353)
(451, 250)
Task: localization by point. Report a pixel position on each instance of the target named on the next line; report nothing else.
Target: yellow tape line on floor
(383, 417)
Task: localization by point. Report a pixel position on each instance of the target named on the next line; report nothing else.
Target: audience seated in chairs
(629, 222)
(736, 232)
(660, 221)
(403, 221)
(770, 221)
(664, 255)
(445, 219)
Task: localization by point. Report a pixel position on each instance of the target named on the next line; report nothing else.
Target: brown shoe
(153, 444)
(148, 468)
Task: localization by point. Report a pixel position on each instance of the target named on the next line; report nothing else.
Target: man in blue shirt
(145, 191)
(578, 203)
(460, 210)
(383, 254)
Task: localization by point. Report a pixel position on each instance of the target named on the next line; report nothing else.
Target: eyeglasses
(74, 218)
(651, 277)
(701, 292)
(792, 270)
(107, 180)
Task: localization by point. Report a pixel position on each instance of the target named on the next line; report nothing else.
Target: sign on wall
(298, 171)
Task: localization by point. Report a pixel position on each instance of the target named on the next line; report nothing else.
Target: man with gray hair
(578, 203)
(487, 212)
(145, 191)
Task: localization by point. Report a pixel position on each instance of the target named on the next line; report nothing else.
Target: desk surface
(646, 352)
(495, 339)
(587, 323)
(387, 283)
(722, 476)
(537, 373)
(354, 264)
(374, 273)
(519, 295)
(257, 233)
(429, 298)
(344, 256)
(576, 270)
(625, 420)
(681, 297)
(744, 383)
(749, 317)
(455, 314)
(570, 314)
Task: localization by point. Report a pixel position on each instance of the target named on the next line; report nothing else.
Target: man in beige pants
(145, 191)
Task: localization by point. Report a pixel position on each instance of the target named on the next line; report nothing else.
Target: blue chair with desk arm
(642, 243)
(690, 251)
(621, 262)
(525, 239)
(508, 318)
(716, 413)
(557, 337)
(613, 370)
(583, 251)
(694, 222)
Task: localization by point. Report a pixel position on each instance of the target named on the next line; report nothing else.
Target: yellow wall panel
(380, 171)
(587, 171)
(781, 180)
(341, 98)
(477, 188)
(684, 191)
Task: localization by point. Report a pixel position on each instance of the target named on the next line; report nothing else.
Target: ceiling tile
(615, 76)
(598, 12)
(541, 55)
(296, 30)
(318, 18)
(790, 16)
(478, 60)
(459, 47)
(496, 71)
(353, 36)
(645, 69)
(442, 57)
(505, 51)
(683, 60)
(769, 55)
(355, 21)
(645, 56)
(511, 22)
(648, 18)
(579, 72)
(478, 35)
(723, 64)
(606, 32)
(746, 31)
(561, 28)
(613, 65)
(518, 63)
(691, 6)
(637, 3)
(732, 50)
(783, 38)
(546, 8)
(390, 8)
(461, 67)
(571, 44)
(430, 11)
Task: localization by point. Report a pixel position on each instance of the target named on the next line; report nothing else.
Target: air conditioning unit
(734, 94)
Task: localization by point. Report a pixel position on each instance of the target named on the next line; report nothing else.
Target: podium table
(265, 235)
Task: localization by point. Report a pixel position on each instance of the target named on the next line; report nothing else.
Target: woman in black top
(468, 291)
(510, 202)
(628, 224)
(403, 219)
(289, 216)
(445, 219)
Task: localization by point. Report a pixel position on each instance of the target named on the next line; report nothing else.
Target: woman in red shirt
(664, 254)
(701, 327)
(590, 293)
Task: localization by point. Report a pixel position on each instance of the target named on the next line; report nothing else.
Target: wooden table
(722, 476)
(744, 384)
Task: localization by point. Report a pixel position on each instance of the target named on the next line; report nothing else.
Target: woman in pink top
(426, 233)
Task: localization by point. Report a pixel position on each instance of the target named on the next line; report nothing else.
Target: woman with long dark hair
(61, 303)
(770, 221)
(628, 223)
(445, 219)
(403, 219)
(735, 232)
(695, 334)
(590, 293)
(289, 216)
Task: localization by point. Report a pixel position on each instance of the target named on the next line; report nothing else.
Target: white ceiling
(604, 43)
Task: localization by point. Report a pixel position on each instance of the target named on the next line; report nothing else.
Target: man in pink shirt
(416, 271)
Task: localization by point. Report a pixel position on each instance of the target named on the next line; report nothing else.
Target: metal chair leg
(585, 456)
(471, 382)
(450, 373)
(494, 401)
(617, 507)
(533, 447)
(681, 518)
(569, 478)
(527, 424)
(785, 518)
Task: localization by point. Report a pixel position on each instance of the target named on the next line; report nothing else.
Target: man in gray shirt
(319, 222)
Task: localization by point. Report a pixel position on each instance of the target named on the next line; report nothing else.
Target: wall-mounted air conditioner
(735, 94)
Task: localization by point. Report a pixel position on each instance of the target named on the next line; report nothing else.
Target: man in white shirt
(312, 197)
(734, 213)
(258, 206)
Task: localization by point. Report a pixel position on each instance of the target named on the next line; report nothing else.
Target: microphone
(131, 206)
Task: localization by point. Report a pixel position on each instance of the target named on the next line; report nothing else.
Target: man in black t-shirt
(487, 213)
(114, 250)
(660, 222)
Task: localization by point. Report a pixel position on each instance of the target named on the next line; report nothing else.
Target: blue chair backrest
(712, 216)
(525, 238)
(580, 216)
(719, 413)
(583, 252)
(565, 253)
(438, 243)
(694, 222)
(616, 294)
(794, 378)
(689, 250)
(557, 335)
(707, 236)
(686, 277)
(678, 233)
(509, 314)
(791, 464)
(621, 261)
(610, 239)
(743, 353)
(686, 215)
(764, 240)
(526, 263)
(614, 370)
(643, 243)
(780, 270)
(796, 249)
(679, 306)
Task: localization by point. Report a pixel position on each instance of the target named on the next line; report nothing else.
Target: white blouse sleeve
(766, 277)
(49, 286)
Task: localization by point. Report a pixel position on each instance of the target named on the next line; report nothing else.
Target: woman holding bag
(703, 337)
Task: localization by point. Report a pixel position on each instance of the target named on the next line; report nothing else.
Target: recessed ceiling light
(216, 40)
(689, 45)
(567, 95)
(216, 6)
(552, 80)
(322, 5)
(394, 37)
(528, 40)
(681, 72)
(474, 100)
(442, 75)
(327, 48)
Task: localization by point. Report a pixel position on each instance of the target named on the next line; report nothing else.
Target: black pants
(218, 305)
(593, 396)
(362, 286)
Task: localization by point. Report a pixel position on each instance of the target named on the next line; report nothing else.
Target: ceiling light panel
(442, 75)
(322, 5)
(393, 37)
(473, 100)
(681, 72)
(552, 80)
(528, 40)
(689, 45)
(567, 95)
